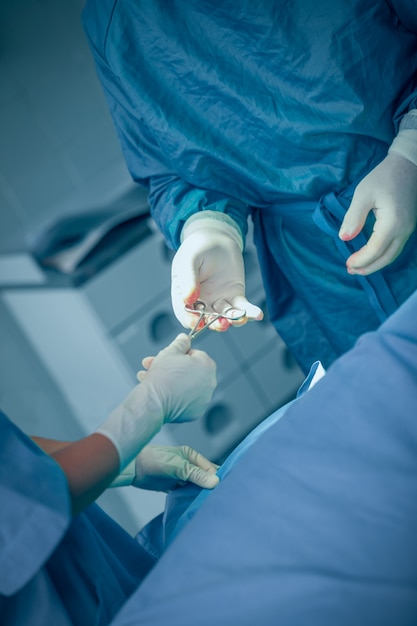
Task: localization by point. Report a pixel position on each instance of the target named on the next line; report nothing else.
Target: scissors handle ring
(209, 317)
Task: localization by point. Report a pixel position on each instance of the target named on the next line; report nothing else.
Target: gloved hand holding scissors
(208, 267)
(178, 386)
(390, 191)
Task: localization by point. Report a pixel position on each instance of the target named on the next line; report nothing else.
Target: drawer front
(127, 287)
(234, 411)
(278, 376)
(251, 341)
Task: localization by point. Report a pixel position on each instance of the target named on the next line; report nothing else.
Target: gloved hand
(209, 266)
(390, 191)
(163, 468)
(178, 386)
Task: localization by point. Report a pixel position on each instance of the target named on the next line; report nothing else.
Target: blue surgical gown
(316, 523)
(55, 570)
(182, 504)
(274, 109)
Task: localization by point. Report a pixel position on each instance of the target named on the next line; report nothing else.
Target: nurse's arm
(89, 464)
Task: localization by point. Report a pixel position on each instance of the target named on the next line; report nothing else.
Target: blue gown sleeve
(251, 106)
(35, 507)
(406, 15)
(316, 523)
(406, 12)
(172, 198)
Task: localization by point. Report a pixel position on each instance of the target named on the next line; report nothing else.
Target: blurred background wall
(59, 156)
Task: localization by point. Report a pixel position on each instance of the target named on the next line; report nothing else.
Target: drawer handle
(288, 360)
(162, 327)
(217, 419)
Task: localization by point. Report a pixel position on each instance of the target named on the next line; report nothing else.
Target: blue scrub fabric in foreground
(55, 570)
(262, 108)
(182, 504)
(317, 522)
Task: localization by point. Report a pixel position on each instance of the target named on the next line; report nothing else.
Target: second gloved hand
(178, 386)
(390, 191)
(164, 468)
(208, 266)
(181, 380)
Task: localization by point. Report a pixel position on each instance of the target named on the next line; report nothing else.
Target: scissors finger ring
(208, 317)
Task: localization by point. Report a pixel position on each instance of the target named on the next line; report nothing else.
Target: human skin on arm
(178, 387)
(89, 464)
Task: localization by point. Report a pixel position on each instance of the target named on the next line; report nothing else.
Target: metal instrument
(209, 316)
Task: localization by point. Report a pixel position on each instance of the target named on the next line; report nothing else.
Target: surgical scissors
(209, 316)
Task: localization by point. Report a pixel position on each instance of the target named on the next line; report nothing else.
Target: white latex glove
(163, 468)
(390, 191)
(208, 266)
(178, 387)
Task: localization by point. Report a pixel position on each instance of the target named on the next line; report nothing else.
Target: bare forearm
(90, 465)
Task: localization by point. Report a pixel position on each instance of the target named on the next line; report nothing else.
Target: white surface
(19, 269)
(69, 339)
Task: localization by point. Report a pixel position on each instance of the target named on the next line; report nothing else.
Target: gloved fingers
(226, 307)
(238, 308)
(147, 362)
(208, 266)
(390, 191)
(185, 288)
(141, 375)
(383, 246)
(197, 469)
(355, 217)
(253, 312)
(180, 382)
(186, 318)
(163, 468)
(180, 345)
(198, 459)
(375, 255)
(205, 360)
(201, 478)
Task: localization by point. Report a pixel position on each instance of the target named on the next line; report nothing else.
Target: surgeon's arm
(206, 228)
(390, 191)
(221, 221)
(178, 386)
(89, 464)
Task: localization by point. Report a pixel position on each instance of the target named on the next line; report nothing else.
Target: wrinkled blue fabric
(34, 495)
(55, 569)
(274, 109)
(182, 504)
(316, 524)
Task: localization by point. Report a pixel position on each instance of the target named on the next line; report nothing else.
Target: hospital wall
(59, 155)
